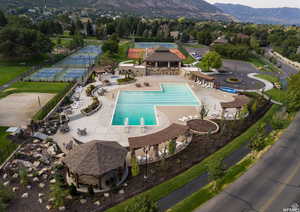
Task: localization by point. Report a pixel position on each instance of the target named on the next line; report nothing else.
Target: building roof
(238, 102)
(95, 158)
(203, 76)
(136, 53)
(173, 131)
(162, 54)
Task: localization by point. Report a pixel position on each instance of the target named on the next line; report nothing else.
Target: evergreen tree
(3, 20)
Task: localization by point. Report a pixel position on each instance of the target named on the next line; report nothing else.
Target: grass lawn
(164, 189)
(34, 87)
(270, 78)
(8, 73)
(6, 146)
(123, 51)
(263, 65)
(277, 94)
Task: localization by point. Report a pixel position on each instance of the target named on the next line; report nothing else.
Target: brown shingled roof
(238, 102)
(162, 54)
(203, 76)
(96, 158)
(162, 136)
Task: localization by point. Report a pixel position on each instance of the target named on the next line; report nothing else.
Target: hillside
(199, 9)
(286, 16)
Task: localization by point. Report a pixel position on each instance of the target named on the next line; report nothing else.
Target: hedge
(43, 112)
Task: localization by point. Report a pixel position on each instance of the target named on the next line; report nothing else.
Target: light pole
(146, 149)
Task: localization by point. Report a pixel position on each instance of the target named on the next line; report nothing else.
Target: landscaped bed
(202, 126)
(6, 146)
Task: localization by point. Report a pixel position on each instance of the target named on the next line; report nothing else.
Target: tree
(3, 20)
(20, 42)
(203, 111)
(204, 38)
(110, 46)
(142, 204)
(211, 60)
(215, 169)
(135, 169)
(89, 29)
(293, 94)
(258, 141)
(243, 113)
(184, 37)
(172, 147)
(77, 41)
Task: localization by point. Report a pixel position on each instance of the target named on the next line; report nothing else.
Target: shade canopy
(173, 131)
(95, 158)
(238, 102)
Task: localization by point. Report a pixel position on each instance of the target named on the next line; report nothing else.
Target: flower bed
(89, 90)
(233, 80)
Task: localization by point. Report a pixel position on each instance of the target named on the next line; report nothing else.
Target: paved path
(269, 186)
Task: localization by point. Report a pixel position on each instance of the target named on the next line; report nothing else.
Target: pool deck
(99, 125)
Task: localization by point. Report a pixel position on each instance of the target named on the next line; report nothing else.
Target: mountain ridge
(198, 9)
(281, 15)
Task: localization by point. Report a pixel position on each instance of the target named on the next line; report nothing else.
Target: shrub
(91, 190)
(135, 169)
(73, 190)
(172, 147)
(89, 90)
(58, 193)
(142, 204)
(92, 106)
(23, 176)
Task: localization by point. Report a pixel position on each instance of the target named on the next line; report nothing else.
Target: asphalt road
(271, 185)
(287, 69)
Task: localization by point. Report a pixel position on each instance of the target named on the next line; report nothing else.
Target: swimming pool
(135, 105)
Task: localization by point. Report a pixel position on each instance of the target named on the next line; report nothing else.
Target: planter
(92, 111)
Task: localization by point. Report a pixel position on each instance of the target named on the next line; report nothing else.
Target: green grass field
(275, 94)
(34, 87)
(6, 146)
(268, 77)
(8, 73)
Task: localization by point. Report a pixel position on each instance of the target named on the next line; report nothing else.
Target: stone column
(169, 64)
(156, 64)
(156, 150)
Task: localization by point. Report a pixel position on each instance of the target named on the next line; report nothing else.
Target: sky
(261, 3)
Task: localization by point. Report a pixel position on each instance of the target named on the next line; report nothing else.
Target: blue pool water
(135, 105)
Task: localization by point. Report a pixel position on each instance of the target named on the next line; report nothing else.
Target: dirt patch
(202, 125)
(18, 109)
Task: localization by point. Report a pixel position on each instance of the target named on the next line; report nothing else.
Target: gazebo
(163, 58)
(156, 143)
(203, 79)
(100, 164)
(238, 103)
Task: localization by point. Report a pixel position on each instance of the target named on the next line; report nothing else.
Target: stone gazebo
(162, 58)
(100, 164)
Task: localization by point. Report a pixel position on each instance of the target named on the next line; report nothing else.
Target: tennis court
(151, 45)
(73, 67)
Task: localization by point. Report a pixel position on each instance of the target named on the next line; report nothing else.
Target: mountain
(199, 9)
(285, 15)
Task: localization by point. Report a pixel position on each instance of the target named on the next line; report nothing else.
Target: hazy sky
(261, 3)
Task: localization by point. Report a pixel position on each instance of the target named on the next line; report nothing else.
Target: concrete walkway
(270, 185)
(268, 85)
